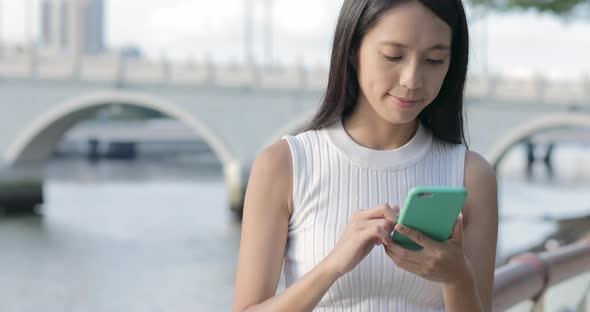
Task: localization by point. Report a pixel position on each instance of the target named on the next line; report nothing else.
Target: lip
(404, 103)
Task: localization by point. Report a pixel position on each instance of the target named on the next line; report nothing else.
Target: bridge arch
(521, 133)
(37, 141)
(35, 144)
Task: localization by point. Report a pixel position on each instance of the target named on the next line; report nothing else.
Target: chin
(399, 118)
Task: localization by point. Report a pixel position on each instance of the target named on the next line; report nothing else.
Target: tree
(559, 7)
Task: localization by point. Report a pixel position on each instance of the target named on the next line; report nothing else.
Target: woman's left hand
(442, 262)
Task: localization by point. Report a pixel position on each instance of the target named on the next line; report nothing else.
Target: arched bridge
(240, 110)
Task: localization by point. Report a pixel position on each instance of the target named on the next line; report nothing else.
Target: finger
(416, 236)
(386, 238)
(405, 264)
(376, 234)
(396, 212)
(385, 224)
(381, 211)
(458, 229)
(406, 254)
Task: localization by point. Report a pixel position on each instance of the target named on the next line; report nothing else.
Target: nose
(411, 76)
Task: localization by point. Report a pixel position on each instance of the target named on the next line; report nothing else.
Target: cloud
(558, 50)
(179, 28)
(304, 18)
(206, 18)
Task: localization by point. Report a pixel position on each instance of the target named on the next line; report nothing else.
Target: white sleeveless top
(333, 176)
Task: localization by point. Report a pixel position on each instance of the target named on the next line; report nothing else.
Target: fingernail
(400, 228)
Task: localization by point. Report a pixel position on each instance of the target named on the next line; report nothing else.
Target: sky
(518, 44)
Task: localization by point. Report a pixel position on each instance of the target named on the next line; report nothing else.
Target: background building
(73, 26)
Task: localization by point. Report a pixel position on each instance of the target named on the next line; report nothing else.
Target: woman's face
(405, 56)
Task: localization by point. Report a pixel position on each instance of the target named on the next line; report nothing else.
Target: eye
(397, 58)
(435, 62)
(392, 58)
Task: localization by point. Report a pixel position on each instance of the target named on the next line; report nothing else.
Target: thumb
(458, 229)
(396, 212)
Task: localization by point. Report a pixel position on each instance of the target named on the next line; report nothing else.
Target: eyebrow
(438, 46)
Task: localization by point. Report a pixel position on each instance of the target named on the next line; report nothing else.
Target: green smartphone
(432, 211)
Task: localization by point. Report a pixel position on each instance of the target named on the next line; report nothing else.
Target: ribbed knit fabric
(333, 176)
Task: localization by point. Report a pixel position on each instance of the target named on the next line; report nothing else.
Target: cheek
(374, 76)
(434, 84)
(374, 79)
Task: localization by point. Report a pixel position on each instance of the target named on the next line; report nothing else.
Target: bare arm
(481, 233)
(265, 222)
(265, 226)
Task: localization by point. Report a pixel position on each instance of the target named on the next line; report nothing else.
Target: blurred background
(128, 129)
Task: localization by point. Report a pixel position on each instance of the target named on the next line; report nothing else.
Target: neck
(370, 130)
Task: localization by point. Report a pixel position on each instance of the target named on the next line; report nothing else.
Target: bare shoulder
(275, 157)
(273, 168)
(478, 170)
(482, 190)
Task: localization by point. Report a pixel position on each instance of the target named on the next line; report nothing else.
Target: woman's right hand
(366, 229)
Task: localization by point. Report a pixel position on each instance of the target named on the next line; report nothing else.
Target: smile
(404, 103)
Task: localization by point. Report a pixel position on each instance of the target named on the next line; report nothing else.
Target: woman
(323, 200)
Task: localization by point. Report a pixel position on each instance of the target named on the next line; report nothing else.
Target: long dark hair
(444, 116)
